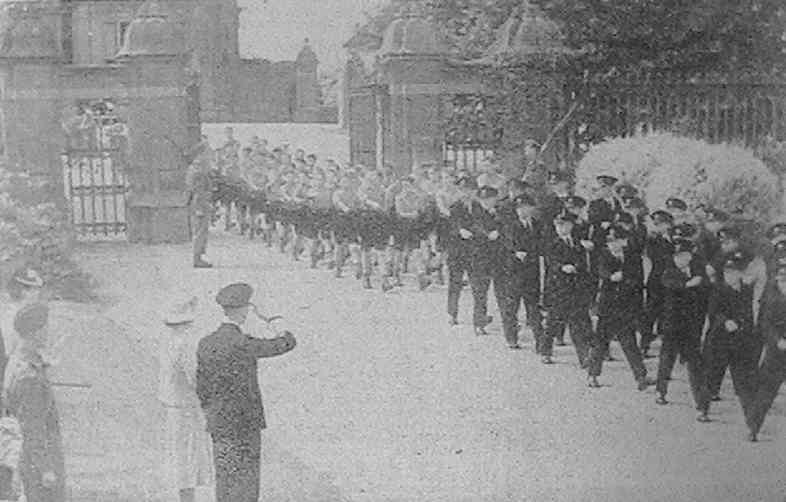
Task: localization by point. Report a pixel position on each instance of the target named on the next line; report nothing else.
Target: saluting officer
(568, 291)
(659, 249)
(228, 391)
(684, 282)
(519, 277)
(459, 243)
(619, 305)
(484, 231)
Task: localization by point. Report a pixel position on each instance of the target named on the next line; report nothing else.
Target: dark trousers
(652, 315)
(457, 265)
(623, 329)
(684, 340)
(480, 282)
(739, 351)
(236, 457)
(716, 372)
(772, 373)
(511, 289)
(577, 321)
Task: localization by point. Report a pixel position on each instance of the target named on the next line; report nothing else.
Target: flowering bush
(36, 233)
(664, 165)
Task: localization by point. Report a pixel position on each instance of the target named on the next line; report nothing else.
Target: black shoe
(423, 282)
(661, 400)
(645, 382)
(480, 331)
(453, 321)
(202, 264)
(645, 354)
(547, 360)
(514, 346)
(752, 437)
(592, 382)
(716, 398)
(559, 342)
(703, 417)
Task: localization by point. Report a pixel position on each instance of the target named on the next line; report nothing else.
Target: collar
(227, 320)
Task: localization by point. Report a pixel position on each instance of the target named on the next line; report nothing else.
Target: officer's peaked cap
(487, 192)
(661, 216)
(607, 180)
(675, 203)
(235, 295)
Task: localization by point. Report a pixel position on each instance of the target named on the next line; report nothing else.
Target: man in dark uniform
(459, 246)
(773, 368)
(618, 306)
(684, 304)
(553, 202)
(200, 187)
(659, 250)
(228, 391)
(484, 233)
(678, 209)
(602, 209)
(519, 277)
(568, 291)
(732, 340)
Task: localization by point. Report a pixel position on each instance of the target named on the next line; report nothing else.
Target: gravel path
(383, 401)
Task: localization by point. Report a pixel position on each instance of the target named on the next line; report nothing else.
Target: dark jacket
(459, 218)
(517, 237)
(681, 303)
(486, 254)
(565, 292)
(772, 317)
(226, 380)
(726, 303)
(660, 252)
(621, 298)
(30, 399)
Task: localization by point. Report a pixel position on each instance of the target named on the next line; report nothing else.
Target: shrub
(664, 165)
(36, 233)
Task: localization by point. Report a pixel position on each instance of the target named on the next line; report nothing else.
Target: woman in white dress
(187, 445)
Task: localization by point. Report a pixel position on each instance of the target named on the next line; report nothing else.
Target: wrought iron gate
(470, 140)
(94, 166)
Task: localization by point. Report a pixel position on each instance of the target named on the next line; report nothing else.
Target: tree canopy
(674, 34)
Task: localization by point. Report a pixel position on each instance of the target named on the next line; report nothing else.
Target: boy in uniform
(568, 290)
(520, 271)
(684, 284)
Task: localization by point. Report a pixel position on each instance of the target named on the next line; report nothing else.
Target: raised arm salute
(229, 394)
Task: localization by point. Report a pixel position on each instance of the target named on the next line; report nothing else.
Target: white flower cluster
(664, 165)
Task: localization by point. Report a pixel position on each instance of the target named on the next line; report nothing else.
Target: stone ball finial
(412, 35)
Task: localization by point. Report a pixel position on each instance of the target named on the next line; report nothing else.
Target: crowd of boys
(604, 269)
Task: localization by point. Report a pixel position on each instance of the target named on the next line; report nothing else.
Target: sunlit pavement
(383, 401)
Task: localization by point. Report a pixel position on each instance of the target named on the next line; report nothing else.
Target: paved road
(383, 401)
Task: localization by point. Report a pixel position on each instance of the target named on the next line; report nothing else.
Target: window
(122, 28)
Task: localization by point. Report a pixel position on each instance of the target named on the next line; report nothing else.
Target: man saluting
(229, 394)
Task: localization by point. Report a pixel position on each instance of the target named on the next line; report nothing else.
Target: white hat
(182, 313)
(29, 277)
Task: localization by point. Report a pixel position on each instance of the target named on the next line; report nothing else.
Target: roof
(412, 35)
